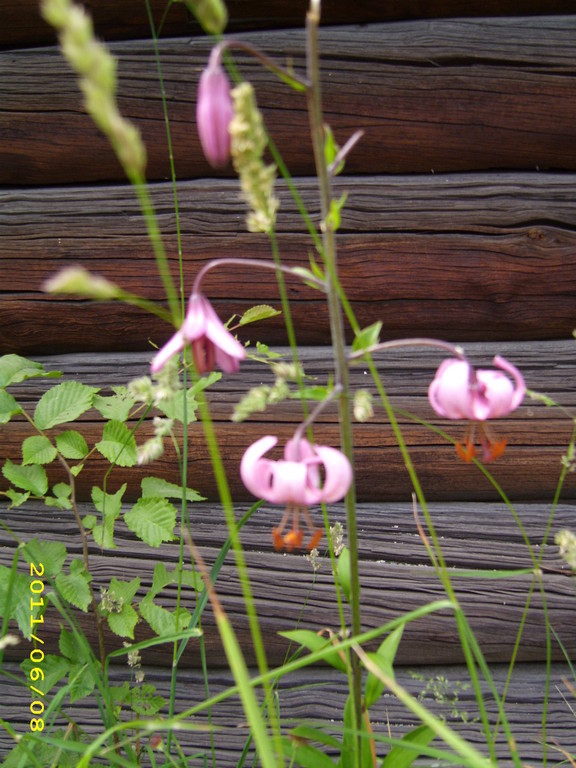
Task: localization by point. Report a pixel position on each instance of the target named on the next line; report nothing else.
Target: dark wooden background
(460, 223)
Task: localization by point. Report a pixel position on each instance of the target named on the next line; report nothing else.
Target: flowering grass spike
(461, 392)
(296, 482)
(211, 343)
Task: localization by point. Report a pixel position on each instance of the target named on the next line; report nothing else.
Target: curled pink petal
(255, 471)
(338, 474)
(172, 347)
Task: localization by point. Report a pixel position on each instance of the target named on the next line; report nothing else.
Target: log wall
(460, 223)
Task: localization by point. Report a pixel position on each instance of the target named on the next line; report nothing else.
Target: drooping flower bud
(214, 111)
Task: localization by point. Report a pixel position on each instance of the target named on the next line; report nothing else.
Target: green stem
(337, 332)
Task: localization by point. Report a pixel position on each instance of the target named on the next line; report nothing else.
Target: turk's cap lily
(214, 111)
(458, 391)
(296, 479)
(212, 344)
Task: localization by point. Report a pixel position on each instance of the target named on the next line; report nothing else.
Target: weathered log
(477, 102)
(538, 436)
(488, 256)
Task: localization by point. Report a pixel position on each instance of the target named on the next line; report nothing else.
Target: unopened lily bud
(214, 112)
(211, 14)
(83, 283)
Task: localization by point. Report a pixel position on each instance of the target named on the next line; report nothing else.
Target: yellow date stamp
(36, 673)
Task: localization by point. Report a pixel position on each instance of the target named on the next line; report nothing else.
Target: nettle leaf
(74, 586)
(52, 555)
(109, 504)
(123, 618)
(367, 337)
(8, 406)
(160, 488)
(257, 313)
(163, 622)
(152, 520)
(384, 660)
(38, 449)
(14, 369)
(315, 642)
(118, 444)
(117, 406)
(63, 403)
(15, 598)
(72, 445)
(31, 478)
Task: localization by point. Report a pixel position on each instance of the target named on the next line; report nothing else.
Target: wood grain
(447, 96)
(23, 27)
(538, 436)
(482, 256)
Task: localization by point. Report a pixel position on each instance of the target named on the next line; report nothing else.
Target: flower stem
(336, 330)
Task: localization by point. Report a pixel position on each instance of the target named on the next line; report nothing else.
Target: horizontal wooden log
(447, 96)
(486, 256)
(317, 696)
(23, 26)
(538, 436)
(396, 577)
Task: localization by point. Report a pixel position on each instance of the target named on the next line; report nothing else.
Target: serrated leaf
(52, 555)
(15, 599)
(404, 756)
(38, 449)
(16, 498)
(14, 369)
(367, 337)
(384, 660)
(117, 406)
(55, 668)
(31, 478)
(118, 444)
(123, 621)
(162, 577)
(8, 406)
(173, 407)
(314, 642)
(74, 586)
(109, 504)
(81, 682)
(145, 702)
(71, 444)
(160, 488)
(63, 403)
(152, 520)
(162, 621)
(257, 313)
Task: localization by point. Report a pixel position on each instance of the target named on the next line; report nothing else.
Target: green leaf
(306, 755)
(315, 734)
(367, 337)
(343, 570)
(63, 403)
(16, 498)
(117, 406)
(162, 577)
(315, 642)
(109, 504)
(160, 488)
(307, 277)
(61, 499)
(118, 445)
(31, 478)
(74, 586)
(334, 217)
(15, 599)
(144, 702)
(14, 369)
(72, 445)
(55, 668)
(52, 555)
(403, 757)
(8, 406)
(163, 622)
(173, 407)
(38, 449)
(384, 660)
(124, 618)
(152, 520)
(81, 682)
(257, 313)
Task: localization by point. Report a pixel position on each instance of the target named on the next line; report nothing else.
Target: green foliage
(258, 313)
(15, 599)
(367, 337)
(404, 756)
(116, 605)
(160, 488)
(117, 406)
(384, 660)
(152, 520)
(38, 449)
(52, 555)
(75, 585)
(63, 403)
(109, 504)
(15, 369)
(30, 478)
(315, 642)
(8, 406)
(118, 444)
(72, 445)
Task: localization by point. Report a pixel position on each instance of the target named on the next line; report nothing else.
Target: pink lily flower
(211, 343)
(214, 111)
(458, 391)
(296, 482)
